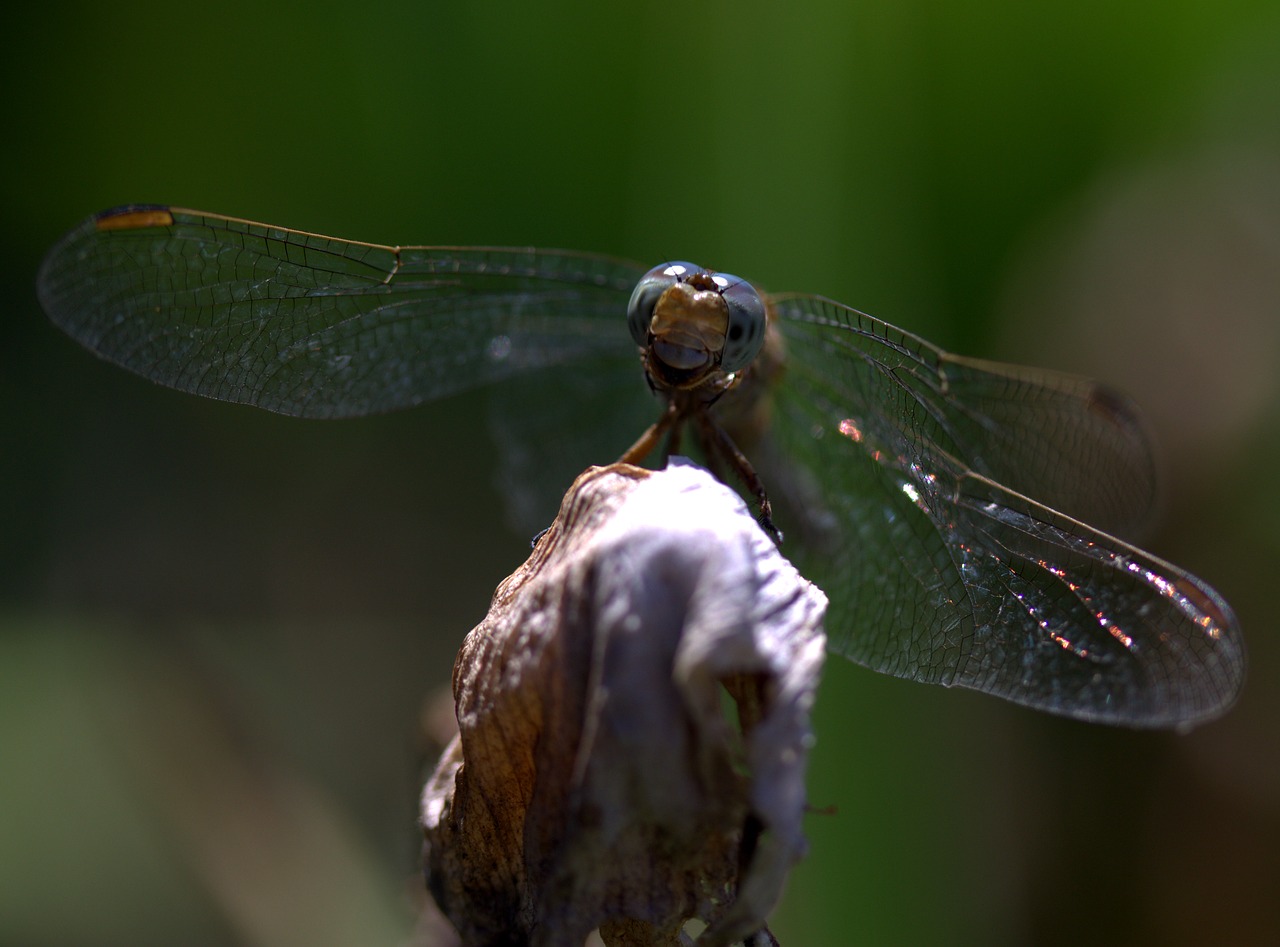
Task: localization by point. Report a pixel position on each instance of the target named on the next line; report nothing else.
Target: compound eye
(647, 292)
(746, 322)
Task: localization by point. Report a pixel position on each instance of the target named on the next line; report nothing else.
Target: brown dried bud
(602, 778)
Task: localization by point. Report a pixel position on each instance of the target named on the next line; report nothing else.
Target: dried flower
(634, 726)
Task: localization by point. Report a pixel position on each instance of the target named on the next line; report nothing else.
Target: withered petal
(597, 781)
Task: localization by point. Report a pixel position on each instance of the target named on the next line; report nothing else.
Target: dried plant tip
(597, 781)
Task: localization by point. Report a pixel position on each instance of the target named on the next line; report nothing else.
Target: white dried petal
(598, 782)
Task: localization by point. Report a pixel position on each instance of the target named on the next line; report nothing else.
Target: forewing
(907, 474)
(1066, 441)
(314, 326)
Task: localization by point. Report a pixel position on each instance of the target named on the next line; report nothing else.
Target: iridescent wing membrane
(917, 486)
(909, 471)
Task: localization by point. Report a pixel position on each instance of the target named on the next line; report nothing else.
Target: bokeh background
(222, 632)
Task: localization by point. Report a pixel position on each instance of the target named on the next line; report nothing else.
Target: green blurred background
(221, 631)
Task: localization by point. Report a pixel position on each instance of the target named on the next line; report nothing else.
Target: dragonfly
(971, 521)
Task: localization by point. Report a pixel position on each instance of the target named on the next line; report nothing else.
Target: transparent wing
(314, 326)
(1068, 442)
(908, 472)
(908, 476)
(550, 425)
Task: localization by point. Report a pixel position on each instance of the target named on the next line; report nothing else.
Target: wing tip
(1115, 406)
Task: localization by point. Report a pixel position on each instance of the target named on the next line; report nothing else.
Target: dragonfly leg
(711, 454)
(719, 445)
(642, 448)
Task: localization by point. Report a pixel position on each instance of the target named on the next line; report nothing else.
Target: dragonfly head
(692, 322)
